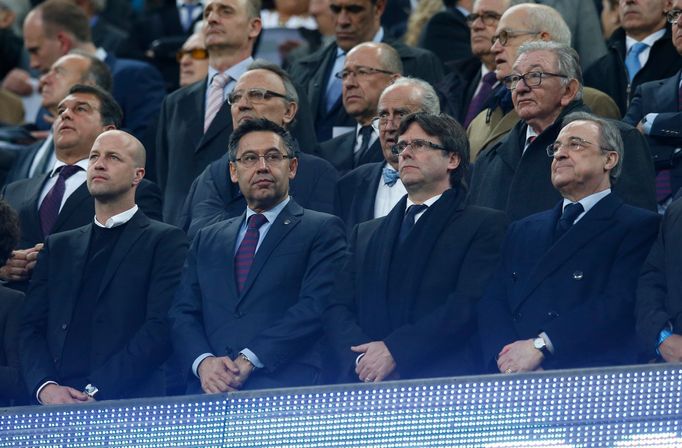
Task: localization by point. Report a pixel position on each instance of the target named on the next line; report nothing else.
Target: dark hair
(257, 125)
(98, 72)
(451, 135)
(109, 109)
(61, 15)
(9, 230)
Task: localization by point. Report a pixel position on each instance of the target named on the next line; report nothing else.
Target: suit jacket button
(517, 317)
(578, 275)
(65, 326)
(552, 314)
(515, 276)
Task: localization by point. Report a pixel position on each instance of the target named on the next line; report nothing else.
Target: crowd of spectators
(204, 196)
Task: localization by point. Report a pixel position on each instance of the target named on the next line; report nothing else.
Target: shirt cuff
(195, 364)
(665, 333)
(40, 389)
(548, 342)
(251, 356)
(648, 122)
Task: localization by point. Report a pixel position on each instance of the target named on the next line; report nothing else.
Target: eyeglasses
(251, 159)
(253, 96)
(574, 144)
(487, 17)
(505, 35)
(531, 79)
(673, 15)
(360, 72)
(197, 53)
(384, 118)
(417, 145)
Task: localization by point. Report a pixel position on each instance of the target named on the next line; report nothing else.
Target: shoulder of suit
(316, 56)
(360, 172)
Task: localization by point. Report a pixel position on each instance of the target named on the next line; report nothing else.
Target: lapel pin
(287, 221)
(578, 275)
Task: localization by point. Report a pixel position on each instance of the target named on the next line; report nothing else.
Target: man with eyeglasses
(263, 91)
(513, 175)
(404, 304)
(470, 81)
(564, 292)
(247, 314)
(356, 21)
(518, 25)
(368, 70)
(639, 51)
(373, 189)
(193, 60)
(656, 110)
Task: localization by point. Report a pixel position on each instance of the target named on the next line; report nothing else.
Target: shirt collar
(180, 3)
(429, 202)
(649, 40)
(234, 72)
(588, 201)
(359, 126)
(271, 214)
(83, 163)
(118, 220)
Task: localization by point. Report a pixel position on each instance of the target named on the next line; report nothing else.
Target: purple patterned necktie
(477, 102)
(49, 209)
(247, 249)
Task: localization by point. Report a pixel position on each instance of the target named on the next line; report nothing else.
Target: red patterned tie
(247, 249)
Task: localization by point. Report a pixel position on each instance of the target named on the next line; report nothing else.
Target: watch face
(539, 343)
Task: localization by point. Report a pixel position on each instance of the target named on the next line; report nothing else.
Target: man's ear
(570, 92)
(233, 173)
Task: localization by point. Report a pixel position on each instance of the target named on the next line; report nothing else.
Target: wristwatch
(540, 344)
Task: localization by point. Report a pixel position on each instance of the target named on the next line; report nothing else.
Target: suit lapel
(229, 251)
(594, 223)
(221, 122)
(510, 154)
(285, 222)
(76, 266)
(132, 232)
(369, 185)
(318, 83)
(30, 218)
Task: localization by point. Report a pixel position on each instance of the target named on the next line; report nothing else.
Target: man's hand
(19, 265)
(56, 394)
(18, 82)
(377, 363)
(245, 371)
(218, 375)
(671, 348)
(519, 356)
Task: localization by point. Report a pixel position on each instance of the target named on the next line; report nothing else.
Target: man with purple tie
(247, 314)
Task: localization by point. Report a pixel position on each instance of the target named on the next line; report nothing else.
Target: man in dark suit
(95, 320)
(447, 33)
(659, 292)
(12, 389)
(564, 293)
(656, 110)
(470, 81)
(187, 142)
(514, 175)
(248, 310)
(73, 68)
(404, 304)
(137, 86)
(372, 190)
(84, 114)
(356, 21)
(214, 197)
(369, 68)
(640, 51)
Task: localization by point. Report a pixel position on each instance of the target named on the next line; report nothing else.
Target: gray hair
(609, 137)
(545, 18)
(568, 62)
(289, 88)
(427, 95)
(98, 73)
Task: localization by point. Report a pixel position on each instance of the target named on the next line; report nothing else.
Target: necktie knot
(256, 221)
(409, 219)
(568, 217)
(632, 59)
(390, 176)
(67, 171)
(220, 80)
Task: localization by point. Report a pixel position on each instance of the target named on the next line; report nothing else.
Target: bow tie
(390, 176)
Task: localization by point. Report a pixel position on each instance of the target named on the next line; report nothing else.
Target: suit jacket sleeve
(651, 311)
(36, 360)
(668, 125)
(148, 198)
(456, 318)
(635, 111)
(612, 308)
(636, 184)
(339, 317)
(11, 384)
(494, 315)
(150, 345)
(295, 331)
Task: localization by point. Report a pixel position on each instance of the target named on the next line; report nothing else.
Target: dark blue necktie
(568, 217)
(409, 219)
